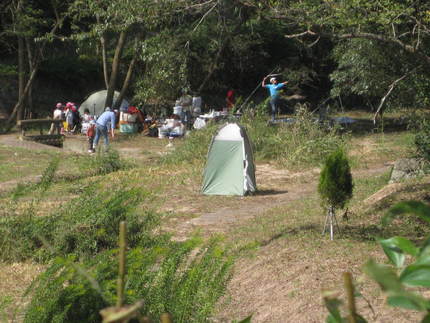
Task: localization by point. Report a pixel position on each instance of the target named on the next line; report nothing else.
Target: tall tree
(403, 26)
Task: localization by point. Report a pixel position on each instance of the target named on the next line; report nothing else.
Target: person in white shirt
(58, 115)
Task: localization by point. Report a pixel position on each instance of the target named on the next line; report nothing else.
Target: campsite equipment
(95, 103)
(230, 168)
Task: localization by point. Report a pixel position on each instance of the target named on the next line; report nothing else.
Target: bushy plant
(106, 162)
(335, 184)
(405, 283)
(302, 141)
(422, 139)
(166, 276)
(194, 147)
(84, 226)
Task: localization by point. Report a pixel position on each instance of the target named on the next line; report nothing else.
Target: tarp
(96, 103)
(230, 166)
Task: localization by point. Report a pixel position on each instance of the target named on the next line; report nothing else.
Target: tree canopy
(372, 54)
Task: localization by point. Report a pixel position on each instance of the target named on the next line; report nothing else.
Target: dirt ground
(281, 279)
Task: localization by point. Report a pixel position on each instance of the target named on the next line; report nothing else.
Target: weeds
(106, 162)
(84, 226)
(163, 276)
(302, 142)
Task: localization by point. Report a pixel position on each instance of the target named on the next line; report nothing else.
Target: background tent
(96, 102)
(230, 166)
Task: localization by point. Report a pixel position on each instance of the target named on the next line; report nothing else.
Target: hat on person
(108, 109)
(272, 79)
(59, 105)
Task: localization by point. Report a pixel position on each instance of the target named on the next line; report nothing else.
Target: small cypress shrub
(335, 184)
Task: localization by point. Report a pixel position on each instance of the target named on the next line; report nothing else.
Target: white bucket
(177, 110)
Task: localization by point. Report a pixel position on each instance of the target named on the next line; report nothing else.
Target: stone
(406, 168)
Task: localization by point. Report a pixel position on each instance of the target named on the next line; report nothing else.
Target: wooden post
(121, 271)
(347, 279)
(166, 318)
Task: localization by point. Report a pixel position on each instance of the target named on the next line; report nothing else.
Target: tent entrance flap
(224, 170)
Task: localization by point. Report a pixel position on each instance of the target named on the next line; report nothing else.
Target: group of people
(67, 113)
(186, 107)
(93, 127)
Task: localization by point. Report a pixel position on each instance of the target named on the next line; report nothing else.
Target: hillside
(282, 260)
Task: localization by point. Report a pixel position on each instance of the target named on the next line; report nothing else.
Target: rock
(406, 168)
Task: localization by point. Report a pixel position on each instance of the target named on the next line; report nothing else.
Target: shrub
(166, 276)
(194, 147)
(422, 139)
(303, 142)
(106, 162)
(335, 184)
(84, 226)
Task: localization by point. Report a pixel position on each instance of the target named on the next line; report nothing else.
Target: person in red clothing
(230, 99)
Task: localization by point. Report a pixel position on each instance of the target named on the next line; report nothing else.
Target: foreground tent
(96, 102)
(230, 166)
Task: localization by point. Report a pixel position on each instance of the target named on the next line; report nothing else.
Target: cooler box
(128, 128)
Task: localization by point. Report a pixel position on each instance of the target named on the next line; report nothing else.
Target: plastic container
(177, 110)
(128, 128)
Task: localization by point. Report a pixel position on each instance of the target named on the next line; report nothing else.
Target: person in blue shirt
(274, 88)
(106, 119)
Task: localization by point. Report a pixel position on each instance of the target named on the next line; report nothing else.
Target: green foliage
(367, 68)
(166, 276)
(405, 283)
(300, 143)
(106, 162)
(335, 184)
(194, 148)
(422, 139)
(83, 226)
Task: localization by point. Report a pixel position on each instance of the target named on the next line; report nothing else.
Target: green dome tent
(230, 168)
(95, 103)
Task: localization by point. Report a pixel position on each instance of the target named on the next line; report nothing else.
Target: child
(91, 132)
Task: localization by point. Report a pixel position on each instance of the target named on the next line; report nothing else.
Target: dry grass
(283, 260)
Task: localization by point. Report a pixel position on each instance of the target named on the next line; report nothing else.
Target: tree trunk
(115, 69)
(213, 67)
(30, 68)
(126, 83)
(21, 99)
(21, 76)
(104, 60)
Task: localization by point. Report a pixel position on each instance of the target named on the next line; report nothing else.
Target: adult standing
(69, 117)
(106, 118)
(230, 99)
(58, 115)
(274, 88)
(186, 101)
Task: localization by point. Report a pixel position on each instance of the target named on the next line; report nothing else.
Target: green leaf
(384, 275)
(332, 304)
(426, 319)
(416, 275)
(360, 319)
(396, 247)
(411, 207)
(408, 301)
(246, 320)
